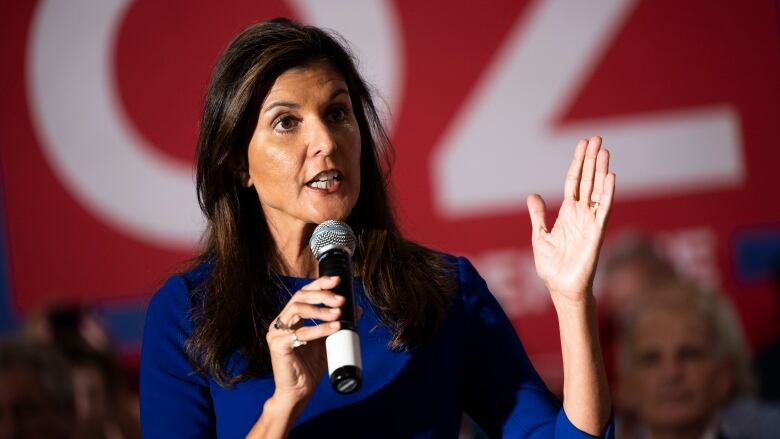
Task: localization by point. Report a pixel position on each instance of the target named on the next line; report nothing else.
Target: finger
(322, 283)
(588, 169)
(602, 167)
(537, 211)
(281, 342)
(310, 333)
(318, 297)
(295, 312)
(572, 180)
(605, 203)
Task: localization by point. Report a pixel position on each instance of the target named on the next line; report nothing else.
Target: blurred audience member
(69, 325)
(36, 396)
(99, 395)
(633, 264)
(98, 387)
(685, 368)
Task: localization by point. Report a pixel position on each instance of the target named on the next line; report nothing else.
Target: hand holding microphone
(297, 351)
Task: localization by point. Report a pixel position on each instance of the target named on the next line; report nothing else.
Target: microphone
(333, 244)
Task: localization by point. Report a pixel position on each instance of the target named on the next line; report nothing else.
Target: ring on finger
(594, 204)
(296, 342)
(278, 324)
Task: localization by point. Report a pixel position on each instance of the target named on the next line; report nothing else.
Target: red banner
(486, 104)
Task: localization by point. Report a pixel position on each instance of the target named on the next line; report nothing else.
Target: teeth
(322, 184)
(325, 180)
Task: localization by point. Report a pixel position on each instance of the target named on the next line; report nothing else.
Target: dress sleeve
(175, 400)
(503, 392)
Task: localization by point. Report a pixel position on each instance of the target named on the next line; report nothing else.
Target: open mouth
(325, 179)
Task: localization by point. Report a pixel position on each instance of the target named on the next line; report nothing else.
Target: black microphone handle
(343, 347)
(337, 262)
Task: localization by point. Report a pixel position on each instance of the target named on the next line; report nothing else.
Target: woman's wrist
(285, 407)
(573, 304)
(279, 414)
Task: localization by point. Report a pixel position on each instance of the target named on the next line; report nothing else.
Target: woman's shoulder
(462, 268)
(175, 297)
(473, 291)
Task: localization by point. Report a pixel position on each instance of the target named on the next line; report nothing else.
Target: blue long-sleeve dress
(475, 363)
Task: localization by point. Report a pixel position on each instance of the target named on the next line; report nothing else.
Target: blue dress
(475, 363)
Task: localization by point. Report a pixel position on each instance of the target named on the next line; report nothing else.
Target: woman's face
(304, 156)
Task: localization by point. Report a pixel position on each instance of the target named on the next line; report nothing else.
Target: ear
(241, 173)
(245, 179)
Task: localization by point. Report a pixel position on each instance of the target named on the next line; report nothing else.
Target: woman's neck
(292, 247)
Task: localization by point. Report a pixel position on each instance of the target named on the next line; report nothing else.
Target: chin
(330, 214)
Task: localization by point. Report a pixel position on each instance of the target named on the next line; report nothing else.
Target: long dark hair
(408, 285)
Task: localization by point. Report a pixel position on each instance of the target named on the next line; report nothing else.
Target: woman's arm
(565, 258)
(277, 419)
(586, 398)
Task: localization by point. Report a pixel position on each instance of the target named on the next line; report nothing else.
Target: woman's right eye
(284, 124)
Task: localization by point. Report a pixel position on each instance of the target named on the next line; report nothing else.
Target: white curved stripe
(87, 139)
(373, 30)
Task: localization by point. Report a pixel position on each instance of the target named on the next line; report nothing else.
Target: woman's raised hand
(298, 354)
(566, 255)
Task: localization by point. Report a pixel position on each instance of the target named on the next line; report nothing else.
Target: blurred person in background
(633, 263)
(36, 393)
(685, 370)
(99, 395)
(65, 325)
(102, 407)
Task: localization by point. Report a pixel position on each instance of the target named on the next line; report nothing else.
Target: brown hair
(408, 285)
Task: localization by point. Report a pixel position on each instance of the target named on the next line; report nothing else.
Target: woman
(290, 138)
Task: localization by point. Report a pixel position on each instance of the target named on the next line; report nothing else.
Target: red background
(667, 55)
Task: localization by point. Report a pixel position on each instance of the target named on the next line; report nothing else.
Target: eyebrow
(281, 104)
(338, 92)
(333, 95)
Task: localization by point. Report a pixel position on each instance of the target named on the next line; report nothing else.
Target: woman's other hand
(565, 258)
(566, 255)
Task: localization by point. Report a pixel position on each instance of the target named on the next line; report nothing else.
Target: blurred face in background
(673, 380)
(26, 410)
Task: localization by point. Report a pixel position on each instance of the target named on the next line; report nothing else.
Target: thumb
(537, 211)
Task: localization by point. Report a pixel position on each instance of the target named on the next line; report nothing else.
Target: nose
(672, 370)
(320, 138)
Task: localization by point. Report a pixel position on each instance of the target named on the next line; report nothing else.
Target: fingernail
(335, 310)
(337, 297)
(334, 324)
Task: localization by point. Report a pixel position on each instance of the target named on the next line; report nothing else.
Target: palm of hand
(304, 370)
(566, 256)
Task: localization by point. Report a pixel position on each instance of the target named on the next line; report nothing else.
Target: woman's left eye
(284, 124)
(337, 114)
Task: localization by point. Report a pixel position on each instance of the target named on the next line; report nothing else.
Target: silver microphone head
(332, 234)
